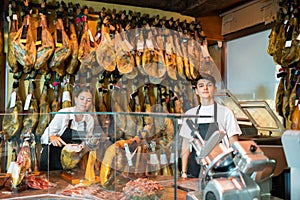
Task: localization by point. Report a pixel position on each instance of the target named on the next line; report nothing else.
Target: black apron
(69, 136)
(205, 130)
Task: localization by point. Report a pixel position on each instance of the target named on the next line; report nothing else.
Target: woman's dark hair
(80, 89)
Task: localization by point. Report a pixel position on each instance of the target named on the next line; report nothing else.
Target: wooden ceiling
(193, 8)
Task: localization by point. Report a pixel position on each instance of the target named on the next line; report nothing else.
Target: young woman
(222, 118)
(69, 126)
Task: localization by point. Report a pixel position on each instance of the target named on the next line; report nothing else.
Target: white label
(149, 44)
(140, 45)
(13, 98)
(128, 154)
(15, 17)
(298, 106)
(66, 96)
(11, 166)
(298, 37)
(172, 158)
(288, 43)
(128, 44)
(163, 159)
(153, 159)
(27, 101)
(91, 36)
(97, 36)
(179, 121)
(15, 174)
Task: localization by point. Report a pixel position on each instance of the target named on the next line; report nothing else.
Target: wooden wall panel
(212, 27)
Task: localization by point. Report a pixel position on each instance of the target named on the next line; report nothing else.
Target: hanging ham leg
(72, 65)
(12, 120)
(31, 119)
(62, 49)
(44, 110)
(24, 46)
(153, 60)
(11, 58)
(125, 59)
(87, 52)
(44, 44)
(105, 52)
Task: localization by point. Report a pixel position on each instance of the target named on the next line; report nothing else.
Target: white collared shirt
(61, 120)
(225, 118)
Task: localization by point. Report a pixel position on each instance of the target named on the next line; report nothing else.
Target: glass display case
(124, 156)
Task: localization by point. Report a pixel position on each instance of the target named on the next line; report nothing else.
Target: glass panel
(104, 162)
(262, 116)
(225, 97)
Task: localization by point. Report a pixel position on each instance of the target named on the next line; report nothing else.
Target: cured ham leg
(72, 65)
(12, 120)
(105, 52)
(23, 44)
(11, 58)
(44, 44)
(87, 52)
(44, 110)
(62, 49)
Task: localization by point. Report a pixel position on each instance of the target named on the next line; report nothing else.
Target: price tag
(66, 96)
(11, 167)
(149, 44)
(27, 101)
(153, 159)
(288, 43)
(13, 98)
(128, 154)
(140, 45)
(172, 158)
(163, 159)
(179, 121)
(97, 36)
(91, 36)
(15, 17)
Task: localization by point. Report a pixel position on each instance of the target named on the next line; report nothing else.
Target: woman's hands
(183, 174)
(56, 141)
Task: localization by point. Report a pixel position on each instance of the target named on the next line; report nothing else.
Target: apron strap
(84, 126)
(70, 123)
(215, 112)
(197, 113)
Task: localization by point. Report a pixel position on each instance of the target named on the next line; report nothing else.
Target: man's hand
(56, 141)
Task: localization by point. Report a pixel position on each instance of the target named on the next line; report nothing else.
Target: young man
(222, 118)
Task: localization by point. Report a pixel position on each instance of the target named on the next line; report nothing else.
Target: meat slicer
(239, 172)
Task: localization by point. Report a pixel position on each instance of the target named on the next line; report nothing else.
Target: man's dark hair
(204, 76)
